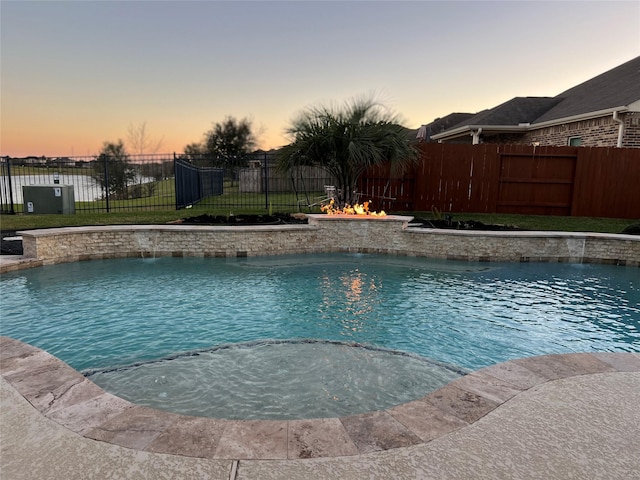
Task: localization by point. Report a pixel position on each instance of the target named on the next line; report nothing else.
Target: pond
(85, 187)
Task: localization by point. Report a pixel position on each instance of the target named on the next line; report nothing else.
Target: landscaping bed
(450, 224)
(284, 219)
(273, 219)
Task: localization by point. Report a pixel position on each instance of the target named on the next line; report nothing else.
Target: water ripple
(113, 312)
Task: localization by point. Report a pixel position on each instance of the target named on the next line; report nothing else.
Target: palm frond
(347, 141)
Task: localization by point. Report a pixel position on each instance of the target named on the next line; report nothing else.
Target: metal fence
(99, 184)
(251, 182)
(162, 181)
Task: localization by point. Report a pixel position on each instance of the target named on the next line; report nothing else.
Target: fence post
(266, 183)
(10, 187)
(175, 181)
(106, 180)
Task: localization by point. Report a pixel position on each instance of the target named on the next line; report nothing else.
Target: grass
(146, 217)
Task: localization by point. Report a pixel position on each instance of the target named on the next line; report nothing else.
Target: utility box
(40, 199)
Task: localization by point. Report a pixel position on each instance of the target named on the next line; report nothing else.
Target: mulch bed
(450, 224)
(274, 219)
(280, 219)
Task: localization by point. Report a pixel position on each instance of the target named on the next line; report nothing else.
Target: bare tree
(140, 142)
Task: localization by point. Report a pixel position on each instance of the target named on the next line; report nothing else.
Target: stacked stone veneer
(325, 233)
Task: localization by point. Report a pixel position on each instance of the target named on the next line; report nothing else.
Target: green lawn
(145, 217)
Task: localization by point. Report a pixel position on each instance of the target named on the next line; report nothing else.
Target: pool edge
(66, 397)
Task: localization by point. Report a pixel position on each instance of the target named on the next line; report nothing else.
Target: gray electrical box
(40, 199)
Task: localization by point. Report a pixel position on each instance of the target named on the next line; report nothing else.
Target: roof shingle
(614, 88)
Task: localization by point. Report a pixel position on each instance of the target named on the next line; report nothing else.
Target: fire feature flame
(357, 209)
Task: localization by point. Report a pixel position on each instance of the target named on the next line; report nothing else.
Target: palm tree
(346, 141)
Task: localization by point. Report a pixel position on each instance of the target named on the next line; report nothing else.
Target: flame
(357, 209)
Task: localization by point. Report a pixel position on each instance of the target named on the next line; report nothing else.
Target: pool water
(101, 315)
(282, 380)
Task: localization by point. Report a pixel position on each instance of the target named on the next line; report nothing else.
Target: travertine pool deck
(553, 416)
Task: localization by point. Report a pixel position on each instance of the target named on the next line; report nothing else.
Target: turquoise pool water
(103, 314)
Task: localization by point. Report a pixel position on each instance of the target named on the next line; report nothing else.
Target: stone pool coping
(66, 397)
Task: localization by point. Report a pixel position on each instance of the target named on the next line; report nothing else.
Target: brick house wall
(631, 136)
(595, 132)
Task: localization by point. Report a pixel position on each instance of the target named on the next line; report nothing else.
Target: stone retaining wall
(324, 233)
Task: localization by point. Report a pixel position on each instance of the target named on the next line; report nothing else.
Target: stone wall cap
(362, 218)
(523, 233)
(46, 232)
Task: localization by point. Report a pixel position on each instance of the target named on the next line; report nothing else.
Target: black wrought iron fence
(96, 184)
(154, 182)
(250, 182)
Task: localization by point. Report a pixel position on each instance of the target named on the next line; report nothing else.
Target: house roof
(442, 124)
(516, 111)
(617, 87)
(614, 89)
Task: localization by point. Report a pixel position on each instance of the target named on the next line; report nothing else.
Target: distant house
(61, 162)
(31, 161)
(603, 111)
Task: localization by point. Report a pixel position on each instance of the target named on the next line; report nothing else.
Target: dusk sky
(77, 74)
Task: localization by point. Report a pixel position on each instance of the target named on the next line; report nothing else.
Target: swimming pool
(121, 313)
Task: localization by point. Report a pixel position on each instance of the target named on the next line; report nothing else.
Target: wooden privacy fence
(521, 179)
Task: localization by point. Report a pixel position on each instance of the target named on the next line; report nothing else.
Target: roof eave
(488, 129)
(581, 116)
(469, 129)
